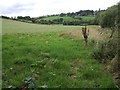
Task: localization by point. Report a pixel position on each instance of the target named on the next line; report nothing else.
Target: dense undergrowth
(108, 54)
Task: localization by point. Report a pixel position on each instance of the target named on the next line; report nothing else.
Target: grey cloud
(17, 8)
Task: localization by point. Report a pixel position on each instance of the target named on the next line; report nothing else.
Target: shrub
(106, 50)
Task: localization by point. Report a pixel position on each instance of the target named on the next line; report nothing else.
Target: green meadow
(62, 61)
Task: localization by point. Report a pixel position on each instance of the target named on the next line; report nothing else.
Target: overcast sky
(35, 8)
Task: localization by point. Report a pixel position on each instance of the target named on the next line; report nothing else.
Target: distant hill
(75, 18)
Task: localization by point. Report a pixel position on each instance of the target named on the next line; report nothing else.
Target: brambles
(106, 50)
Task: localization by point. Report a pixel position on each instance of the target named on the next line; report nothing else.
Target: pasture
(68, 18)
(52, 51)
(11, 26)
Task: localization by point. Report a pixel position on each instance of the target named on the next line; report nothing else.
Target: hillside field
(55, 52)
(68, 18)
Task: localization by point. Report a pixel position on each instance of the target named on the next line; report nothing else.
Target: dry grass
(93, 34)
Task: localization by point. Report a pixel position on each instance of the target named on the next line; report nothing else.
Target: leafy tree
(62, 14)
(108, 18)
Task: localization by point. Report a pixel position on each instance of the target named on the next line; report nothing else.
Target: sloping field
(68, 18)
(11, 26)
(59, 59)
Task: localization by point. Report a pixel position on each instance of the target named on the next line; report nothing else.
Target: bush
(106, 50)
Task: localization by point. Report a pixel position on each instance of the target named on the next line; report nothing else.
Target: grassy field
(65, 18)
(10, 26)
(68, 18)
(61, 60)
(21, 27)
(86, 18)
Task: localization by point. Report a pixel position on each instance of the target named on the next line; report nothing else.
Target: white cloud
(44, 7)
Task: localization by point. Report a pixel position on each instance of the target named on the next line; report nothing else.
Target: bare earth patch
(75, 65)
